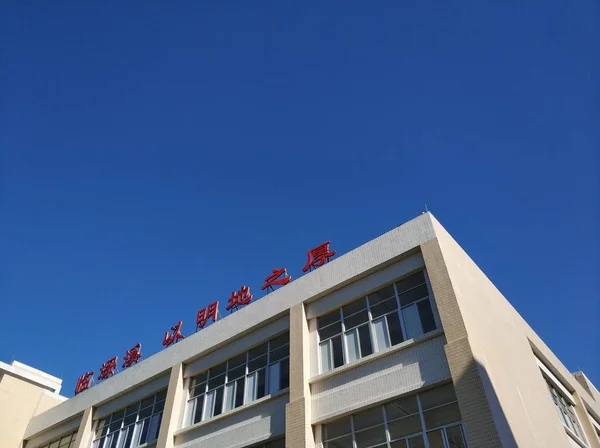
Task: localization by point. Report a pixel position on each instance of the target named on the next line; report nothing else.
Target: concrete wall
(499, 340)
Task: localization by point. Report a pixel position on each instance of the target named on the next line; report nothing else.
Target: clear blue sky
(155, 158)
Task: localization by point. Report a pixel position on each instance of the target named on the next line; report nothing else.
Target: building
(402, 342)
(24, 393)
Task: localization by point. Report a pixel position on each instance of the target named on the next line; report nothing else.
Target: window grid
(132, 426)
(67, 441)
(420, 437)
(347, 344)
(257, 381)
(566, 412)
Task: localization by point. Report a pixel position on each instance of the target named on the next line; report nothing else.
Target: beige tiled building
(402, 342)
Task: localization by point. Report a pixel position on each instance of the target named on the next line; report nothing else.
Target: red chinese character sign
(279, 277)
(108, 369)
(203, 316)
(318, 256)
(239, 298)
(84, 382)
(132, 355)
(171, 338)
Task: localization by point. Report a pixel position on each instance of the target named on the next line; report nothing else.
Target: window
(240, 380)
(566, 411)
(133, 426)
(67, 441)
(403, 423)
(373, 323)
(279, 443)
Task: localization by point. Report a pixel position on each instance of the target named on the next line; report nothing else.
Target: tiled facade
(453, 333)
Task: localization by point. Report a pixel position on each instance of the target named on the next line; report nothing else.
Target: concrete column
(298, 428)
(586, 424)
(85, 434)
(173, 407)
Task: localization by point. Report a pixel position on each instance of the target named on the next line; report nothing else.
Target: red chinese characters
(173, 337)
(206, 313)
(132, 355)
(274, 279)
(318, 256)
(241, 297)
(108, 369)
(84, 382)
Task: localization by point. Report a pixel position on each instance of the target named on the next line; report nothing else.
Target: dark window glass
(337, 428)
(338, 355)
(280, 340)
(381, 295)
(331, 330)
(132, 409)
(342, 442)
(279, 353)
(436, 440)
(366, 419)
(236, 373)
(418, 442)
(128, 420)
(198, 389)
(159, 406)
(199, 379)
(356, 319)
(284, 372)
(146, 402)
(370, 437)
(162, 395)
(365, 340)
(198, 410)
(146, 412)
(354, 307)
(405, 427)
(219, 401)
(393, 321)
(437, 397)
(444, 415)
(383, 308)
(413, 295)
(410, 282)
(257, 363)
(239, 360)
(455, 437)
(216, 382)
(144, 435)
(401, 408)
(426, 314)
(130, 432)
(260, 391)
(218, 370)
(239, 392)
(327, 319)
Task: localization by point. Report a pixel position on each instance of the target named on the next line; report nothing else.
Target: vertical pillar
(298, 428)
(85, 432)
(586, 424)
(173, 408)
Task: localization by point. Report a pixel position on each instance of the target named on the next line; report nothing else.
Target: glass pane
(285, 374)
(381, 295)
(132, 409)
(276, 444)
(216, 381)
(279, 341)
(230, 394)
(219, 400)
(412, 322)
(198, 409)
(126, 435)
(402, 408)
(325, 349)
(274, 378)
(210, 403)
(159, 406)
(146, 412)
(329, 331)
(154, 427)
(413, 295)
(352, 345)
(444, 415)
(410, 282)
(393, 321)
(147, 402)
(162, 395)
(437, 397)
(370, 437)
(364, 336)
(343, 442)
(427, 319)
(328, 319)
(257, 363)
(198, 389)
(261, 386)
(258, 351)
(128, 420)
(238, 361)
(338, 356)
(416, 442)
(436, 440)
(455, 437)
(281, 352)
(398, 444)
(143, 431)
(356, 319)
(251, 387)
(198, 379)
(217, 370)
(369, 418)
(354, 307)
(384, 308)
(382, 339)
(405, 427)
(239, 392)
(234, 374)
(336, 429)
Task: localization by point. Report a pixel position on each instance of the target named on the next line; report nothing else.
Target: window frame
(192, 401)
(72, 435)
(566, 411)
(374, 341)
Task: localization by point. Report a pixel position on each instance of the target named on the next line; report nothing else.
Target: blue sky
(155, 158)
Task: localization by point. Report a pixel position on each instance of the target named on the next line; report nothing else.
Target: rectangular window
(373, 323)
(67, 441)
(132, 426)
(566, 411)
(240, 380)
(430, 417)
